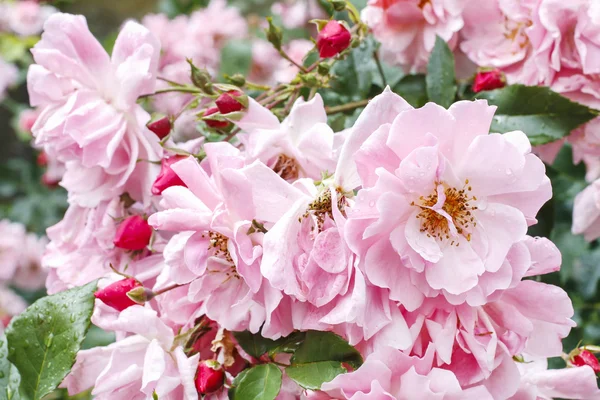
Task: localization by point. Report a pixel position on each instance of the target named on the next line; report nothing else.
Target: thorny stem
(347, 106)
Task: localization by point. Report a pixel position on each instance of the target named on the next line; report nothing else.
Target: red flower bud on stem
(115, 294)
(167, 177)
(134, 233)
(210, 376)
(588, 358)
(213, 123)
(333, 39)
(160, 127)
(227, 102)
(488, 80)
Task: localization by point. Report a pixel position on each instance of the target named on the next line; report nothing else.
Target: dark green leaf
(44, 340)
(441, 78)
(236, 58)
(261, 382)
(254, 344)
(544, 115)
(313, 375)
(413, 89)
(9, 376)
(326, 346)
(354, 75)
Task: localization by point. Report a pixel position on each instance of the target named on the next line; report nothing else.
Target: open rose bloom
(298, 230)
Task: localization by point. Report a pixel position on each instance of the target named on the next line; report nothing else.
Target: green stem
(284, 55)
(183, 89)
(347, 106)
(380, 68)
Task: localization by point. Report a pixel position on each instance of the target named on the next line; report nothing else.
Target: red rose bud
(210, 377)
(586, 357)
(49, 182)
(227, 102)
(333, 39)
(115, 294)
(160, 127)
(133, 234)
(42, 159)
(488, 80)
(167, 177)
(213, 123)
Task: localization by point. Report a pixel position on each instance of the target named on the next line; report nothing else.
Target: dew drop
(372, 203)
(48, 341)
(1, 374)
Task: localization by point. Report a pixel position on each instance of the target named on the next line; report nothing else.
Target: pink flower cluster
(406, 235)
(533, 42)
(20, 266)
(24, 17)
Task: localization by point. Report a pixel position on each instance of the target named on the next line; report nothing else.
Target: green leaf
(326, 346)
(413, 89)
(354, 75)
(441, 79)
(9, 376)
(313, 375)
(44, 340)
(544, 115)
(261, 382)
(254, 344)
(236, 58)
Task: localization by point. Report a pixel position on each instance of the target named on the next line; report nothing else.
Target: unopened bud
(333, 39)
(115, 294)
(140, 295)
(231, 101)
(210, 376)
(489, 80)
(586, 357)
(274, 34)
(237, 79)
(161, 127)
(201, 79)
(323, 69)
(133, 233)
(167, 177)
(214, 123)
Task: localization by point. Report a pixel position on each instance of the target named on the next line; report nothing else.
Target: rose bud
(167, 177)
(161, 127)
(42, 159)
(49, 182)
(227, 102)
(333, 39)
(488, 80)
(115, 294)
(213, 123)
(134, 233)
(210, 377)
(586, 357)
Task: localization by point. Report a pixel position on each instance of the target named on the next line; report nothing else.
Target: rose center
(453, 216)
(286, 167)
